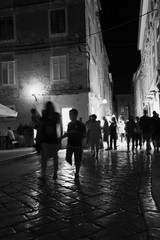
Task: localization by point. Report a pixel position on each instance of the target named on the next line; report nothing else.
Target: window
(6, 28)
(7, 73)
(59, 68)
(57, 22)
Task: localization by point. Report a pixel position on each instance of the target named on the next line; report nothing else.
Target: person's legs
(93, 147)
(97, 148)
(44, 157)
(54, 152)
(128, 142)
(140, 141)
(111, 141)
(115, 143)
(77, 158)
(133, 144)
(69, 152)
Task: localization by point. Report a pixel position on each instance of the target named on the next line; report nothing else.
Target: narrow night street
(113, 199)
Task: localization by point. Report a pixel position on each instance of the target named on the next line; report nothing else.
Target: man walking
(145, 125)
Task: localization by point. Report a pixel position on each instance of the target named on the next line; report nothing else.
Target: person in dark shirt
(145, 125)
(75, 133)
(48, 138)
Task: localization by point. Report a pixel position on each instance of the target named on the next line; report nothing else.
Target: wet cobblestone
(113, 200)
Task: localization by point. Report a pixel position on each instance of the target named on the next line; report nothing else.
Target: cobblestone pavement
(112, 201)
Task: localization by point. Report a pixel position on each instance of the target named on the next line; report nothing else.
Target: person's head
(104, 118)
(113, 119)
(73, 114)
(94, 117)
(9, 128)
(33, 111)
(154, 113)
(49, 108)
(137, 119)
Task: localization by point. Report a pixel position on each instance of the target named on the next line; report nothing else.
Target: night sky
(121, 42)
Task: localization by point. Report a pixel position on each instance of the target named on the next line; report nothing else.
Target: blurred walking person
(138, 133)
(155, 130)
(88, 131)
(95, 136)
(130, 133)
(121, 130)
(48, 137)
(105, 130)
(113, 132)
(145, 125)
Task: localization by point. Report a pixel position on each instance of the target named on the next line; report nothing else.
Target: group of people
(143, 130)
(138, 131)
(96, 134)
(48, 141)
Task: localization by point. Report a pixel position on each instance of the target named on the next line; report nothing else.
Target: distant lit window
(7, 73)
(57, 22)
(59, 68)
(7, 28)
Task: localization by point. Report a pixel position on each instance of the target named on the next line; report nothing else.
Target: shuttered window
(7, 28)
(59, 68)
(7, 73)
(57, 22)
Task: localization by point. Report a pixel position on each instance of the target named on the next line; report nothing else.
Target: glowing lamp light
(104, 101)
(34, 89)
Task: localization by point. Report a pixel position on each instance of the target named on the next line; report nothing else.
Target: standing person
(10, 137)
(95, 136)
(138, 133)
(48, 138)
(36, 118)
(145, 125)
(105, 130)
(113, 132)
(88, 131)
(155, 130)
(121, 128)
(75, 133)
(130, 132)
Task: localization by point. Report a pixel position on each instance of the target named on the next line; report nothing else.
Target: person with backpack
(48, 138)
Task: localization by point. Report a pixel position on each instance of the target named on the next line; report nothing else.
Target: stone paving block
(49, 237)
(32, 223)
(14, 205)
(152, 219)
(52, 227)
(15, 212)
(78, 231)
(154, 233)
(13, 220)
(6, 231)
(20, 236)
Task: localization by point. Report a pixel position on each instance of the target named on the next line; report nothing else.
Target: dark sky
(121, 42)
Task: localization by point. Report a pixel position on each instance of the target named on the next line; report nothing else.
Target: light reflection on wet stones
(112, 201)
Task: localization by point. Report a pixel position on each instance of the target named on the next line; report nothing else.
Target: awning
(7, 112)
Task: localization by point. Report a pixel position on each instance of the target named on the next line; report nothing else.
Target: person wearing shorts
(75, 133)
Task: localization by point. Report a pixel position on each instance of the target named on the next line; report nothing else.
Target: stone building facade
(146, 80)
(53, 50)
